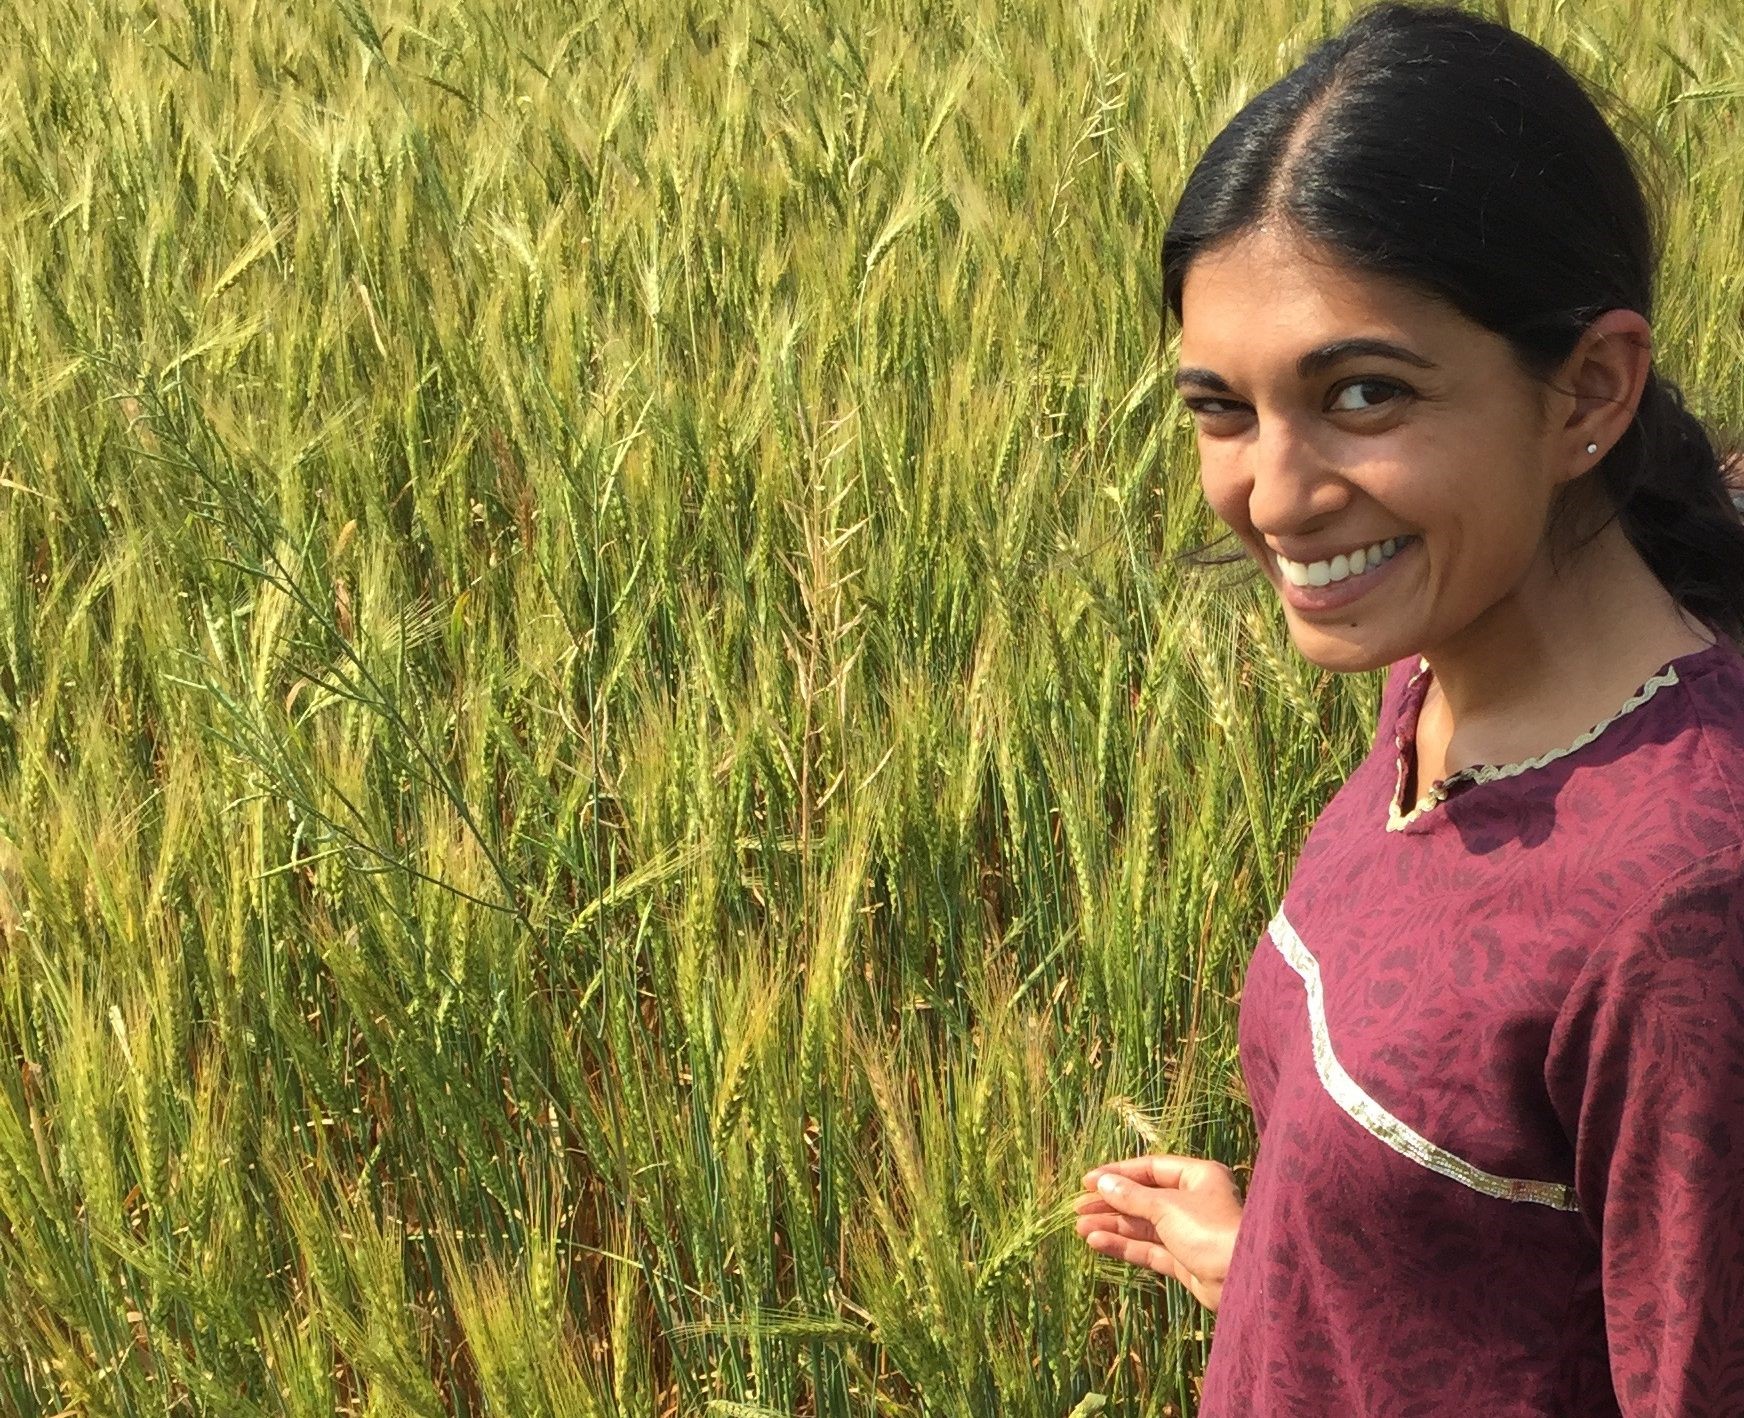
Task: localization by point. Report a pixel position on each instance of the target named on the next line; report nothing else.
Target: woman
(1494, 1035)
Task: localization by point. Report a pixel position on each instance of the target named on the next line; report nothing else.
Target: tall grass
(606, 788)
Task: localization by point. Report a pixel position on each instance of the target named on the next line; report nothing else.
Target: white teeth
(1341, 567)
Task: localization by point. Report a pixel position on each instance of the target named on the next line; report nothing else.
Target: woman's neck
(1558, 655)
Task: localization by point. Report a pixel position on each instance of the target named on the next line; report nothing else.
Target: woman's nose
(1290, 487)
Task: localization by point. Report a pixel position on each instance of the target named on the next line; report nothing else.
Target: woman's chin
(1324, 646)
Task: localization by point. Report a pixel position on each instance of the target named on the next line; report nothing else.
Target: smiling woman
(1429, 430)
(1494, 1034)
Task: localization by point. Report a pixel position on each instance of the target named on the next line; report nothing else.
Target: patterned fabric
(1401, 1137)
(1536, 978)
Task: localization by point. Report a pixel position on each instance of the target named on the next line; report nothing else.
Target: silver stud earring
(1592, 448)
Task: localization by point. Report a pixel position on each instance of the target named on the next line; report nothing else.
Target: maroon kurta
(1495, 1049)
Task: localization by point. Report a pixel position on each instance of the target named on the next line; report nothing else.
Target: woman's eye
(1385, 386)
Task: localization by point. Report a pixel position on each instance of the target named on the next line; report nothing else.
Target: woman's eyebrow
(1317, 360)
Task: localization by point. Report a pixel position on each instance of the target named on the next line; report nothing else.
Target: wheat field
(608, 783)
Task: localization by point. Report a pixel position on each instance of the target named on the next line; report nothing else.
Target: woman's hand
(1177, 1215)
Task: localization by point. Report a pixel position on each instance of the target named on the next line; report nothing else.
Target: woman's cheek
(1223, 495)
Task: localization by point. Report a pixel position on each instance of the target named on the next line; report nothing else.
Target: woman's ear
(1601, 381)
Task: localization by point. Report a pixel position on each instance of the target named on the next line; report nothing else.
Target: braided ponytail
(1672, 495)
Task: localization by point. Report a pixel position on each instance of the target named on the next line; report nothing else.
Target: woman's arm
(1646, 1070)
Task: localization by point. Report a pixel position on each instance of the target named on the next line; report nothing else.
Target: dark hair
(1433, 146)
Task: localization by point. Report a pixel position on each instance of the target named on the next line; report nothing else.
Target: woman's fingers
(1162, 1169)
(1137, 1252)
(1134, 1228)
(1097, 1204)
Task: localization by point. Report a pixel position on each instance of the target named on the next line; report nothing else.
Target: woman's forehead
(1267, 297)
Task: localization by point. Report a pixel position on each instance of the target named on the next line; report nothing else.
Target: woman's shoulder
(1712, 681)
(1662, 808)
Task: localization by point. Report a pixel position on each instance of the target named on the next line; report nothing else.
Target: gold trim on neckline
(1440, 790)
(1350, 1096)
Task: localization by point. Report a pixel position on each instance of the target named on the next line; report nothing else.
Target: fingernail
(1109, 1184)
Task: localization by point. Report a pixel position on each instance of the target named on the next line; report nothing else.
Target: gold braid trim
(1376, 1120)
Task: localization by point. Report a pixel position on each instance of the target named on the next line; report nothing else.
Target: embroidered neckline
(1440, 790)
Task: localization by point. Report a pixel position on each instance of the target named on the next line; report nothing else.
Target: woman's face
(1310, 452)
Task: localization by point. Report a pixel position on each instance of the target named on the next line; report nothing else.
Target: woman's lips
(1346, 592)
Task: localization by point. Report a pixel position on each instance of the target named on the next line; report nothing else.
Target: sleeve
(1646, 1070)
